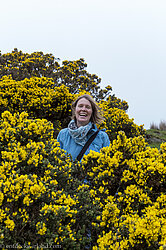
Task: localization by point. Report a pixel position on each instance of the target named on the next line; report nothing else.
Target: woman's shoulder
(64, 130)
(101, 140)
(102, 133)
(104, 137)
(63, 133)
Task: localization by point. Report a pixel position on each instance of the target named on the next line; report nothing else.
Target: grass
(155, 137)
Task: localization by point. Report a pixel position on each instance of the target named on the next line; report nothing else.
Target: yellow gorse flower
(10, 224)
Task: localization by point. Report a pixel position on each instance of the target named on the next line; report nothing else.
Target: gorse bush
(129, 180)
(23, 65)
(72, 74)
(37, 96)
(117, 120)
(45, 200)
(115, 199)
(38, 198)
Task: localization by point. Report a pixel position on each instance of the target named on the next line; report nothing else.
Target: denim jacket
(70, 146)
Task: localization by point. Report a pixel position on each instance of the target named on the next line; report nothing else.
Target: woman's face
(83, 112)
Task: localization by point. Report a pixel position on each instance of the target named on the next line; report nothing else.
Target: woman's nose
(83, 108)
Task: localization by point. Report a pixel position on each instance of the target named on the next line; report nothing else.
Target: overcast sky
(122, 41)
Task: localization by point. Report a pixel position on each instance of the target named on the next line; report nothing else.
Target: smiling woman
(82, 128)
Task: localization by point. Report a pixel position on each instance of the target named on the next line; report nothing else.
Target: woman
(85, 114)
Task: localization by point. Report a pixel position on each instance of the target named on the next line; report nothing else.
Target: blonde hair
(96, 117)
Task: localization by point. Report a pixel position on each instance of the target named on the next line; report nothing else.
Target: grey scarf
(79, 135)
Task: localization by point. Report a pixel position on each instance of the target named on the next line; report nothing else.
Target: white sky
(122, 41)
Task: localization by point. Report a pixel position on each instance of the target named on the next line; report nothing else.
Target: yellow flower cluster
(41, 227)
(37, 96)
(9, 224)
(116, 119)
(128, 180)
